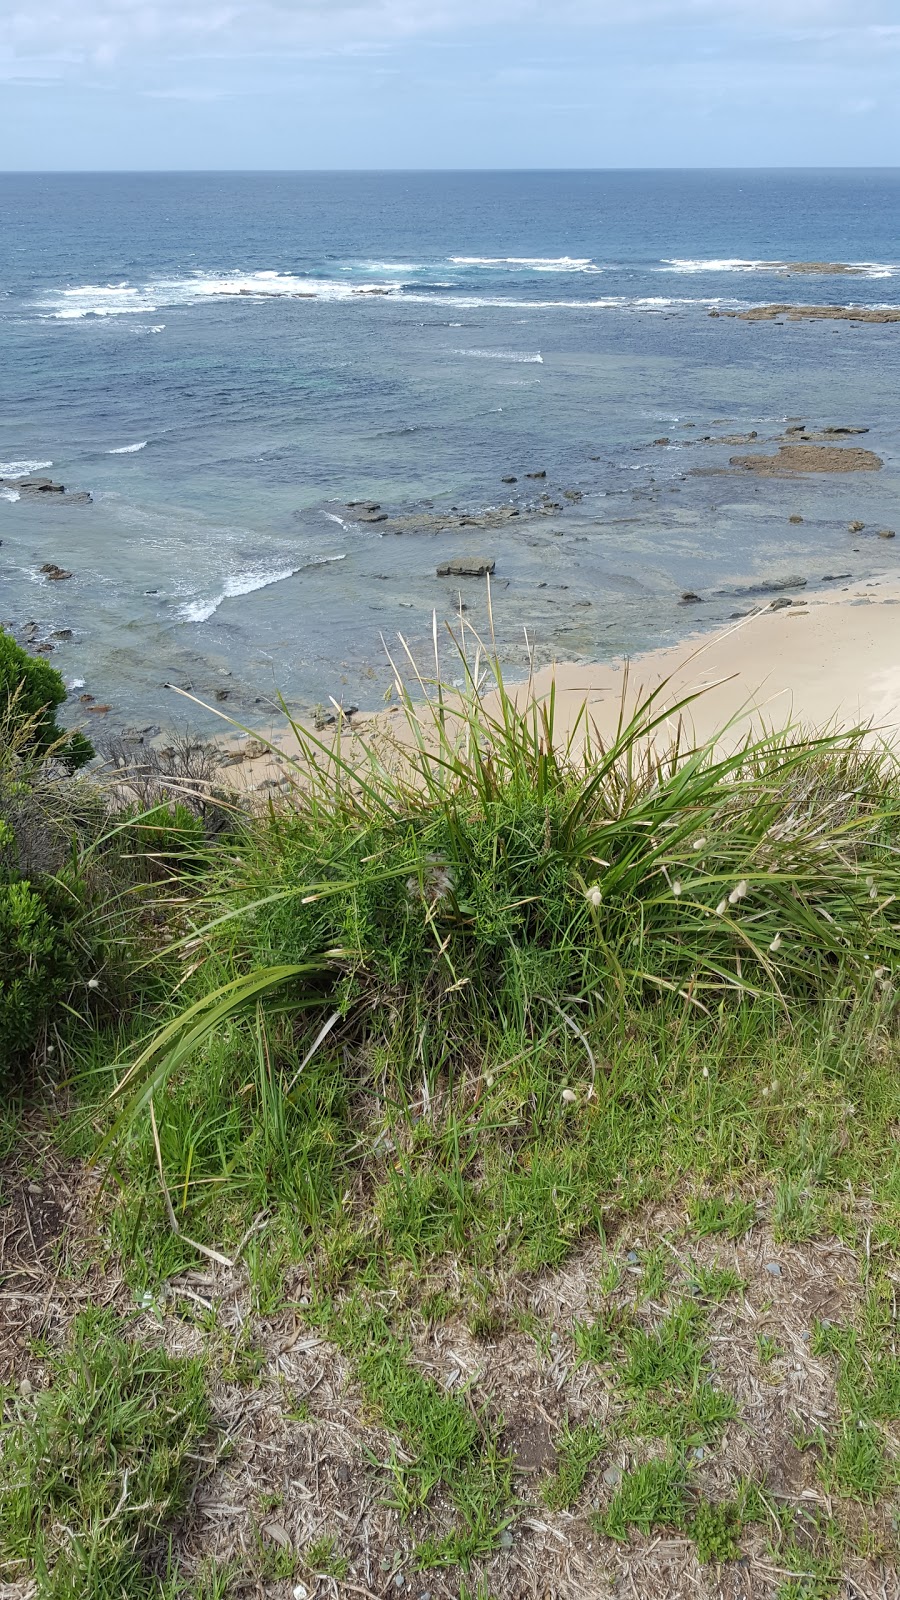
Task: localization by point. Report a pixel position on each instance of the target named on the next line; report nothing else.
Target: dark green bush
(30, 691)
(37, 956)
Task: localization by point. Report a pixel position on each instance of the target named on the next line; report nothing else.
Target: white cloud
(103, 31)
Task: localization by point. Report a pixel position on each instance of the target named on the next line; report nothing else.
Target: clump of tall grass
(478, 873)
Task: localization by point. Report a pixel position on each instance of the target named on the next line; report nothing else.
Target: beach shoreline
(822, 661)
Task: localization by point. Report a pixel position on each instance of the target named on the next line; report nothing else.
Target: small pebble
(505, 1540)
(632, 1258)
(698, 1454)
(773, 1268)
(300, 1591)
(25, 1387)
(399, 1581)
(612, 1476)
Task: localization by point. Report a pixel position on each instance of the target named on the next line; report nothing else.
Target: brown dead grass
(305, 1456)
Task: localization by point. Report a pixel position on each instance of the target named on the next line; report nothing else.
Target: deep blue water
(224, 361)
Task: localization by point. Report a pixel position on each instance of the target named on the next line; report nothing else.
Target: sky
(287, 84)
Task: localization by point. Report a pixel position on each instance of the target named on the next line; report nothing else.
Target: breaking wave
(201, 610)
(503, 355)
(22, 469)
(837, 269)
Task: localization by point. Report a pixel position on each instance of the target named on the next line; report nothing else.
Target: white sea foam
(122, 299)
(10, 494)
(22, 469)
(129, 449)
(503, 355)
(861, 269)
(532, 263)
(201, 610)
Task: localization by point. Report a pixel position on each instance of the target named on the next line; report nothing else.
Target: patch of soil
(529, 1440)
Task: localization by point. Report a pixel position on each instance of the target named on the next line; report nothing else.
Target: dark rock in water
(855, 527)
(363, 505)
(663, 440)
(509, 480)
(689, 595)
(466, 567)
(835, 577)
(770, 585)
(44, 486)
(222, 694)
(535, 474)
(41, 485)
(54, 573)
(61, 633)
(327, 719)
(780, 604)
(795, 519)
(573, 494)
(371, 516)
(887, 533)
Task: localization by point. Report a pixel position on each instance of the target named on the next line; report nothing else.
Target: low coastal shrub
(79, 872)
(30, 692)
(38, 955)
(479, 878)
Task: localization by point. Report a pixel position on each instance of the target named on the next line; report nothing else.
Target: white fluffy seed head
(738, 892)
(569, 1096)
(699, 843)
(676, 886)
(706, 1072)
(93, 983)
(776, 943)
(593, 895)
(721, 908)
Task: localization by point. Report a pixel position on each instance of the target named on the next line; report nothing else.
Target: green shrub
(30, 691)
(96, 1466)
(37, 957)
(480, 878)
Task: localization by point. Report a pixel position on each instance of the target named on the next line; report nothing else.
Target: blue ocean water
(226, 361)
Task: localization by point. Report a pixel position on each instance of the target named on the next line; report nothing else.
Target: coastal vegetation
(472, 1171)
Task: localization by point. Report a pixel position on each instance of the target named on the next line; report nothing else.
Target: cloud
(105, 31)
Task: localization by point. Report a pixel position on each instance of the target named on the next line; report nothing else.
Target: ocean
(225, 363)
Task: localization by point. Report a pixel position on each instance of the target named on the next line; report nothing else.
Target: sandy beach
(830, 659)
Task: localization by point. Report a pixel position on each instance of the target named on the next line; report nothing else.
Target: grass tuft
(96, 1467)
